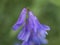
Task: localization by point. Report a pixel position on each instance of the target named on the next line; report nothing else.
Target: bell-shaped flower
(33, 32)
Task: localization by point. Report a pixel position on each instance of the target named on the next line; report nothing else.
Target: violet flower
(33, 32)
(20, 20)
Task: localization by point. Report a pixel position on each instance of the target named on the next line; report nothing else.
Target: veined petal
(33, 22)
(45, 27)
(28, 43)
(43, 40)
(41, 26)
(25, 43)
(24, 34)
(36, 40)
(20, 20)
(21, 34)
(16, 26)
(39, 39)
(42, 33)
(22, 15)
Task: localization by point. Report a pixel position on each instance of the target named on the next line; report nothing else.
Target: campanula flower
(20, 20)
(33, 32)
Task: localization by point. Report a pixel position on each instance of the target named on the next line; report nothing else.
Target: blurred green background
(47, 11)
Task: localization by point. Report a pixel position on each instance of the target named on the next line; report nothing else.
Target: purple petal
(16, 26)
(39, 39)
(43, 40)
(41, 26)
(35, 39)
(42, 33)
(45, 27)
(22, 16)
(16, 43)
(27, 43)
(32, 21)
(20, 20)
(24, 43)
(24, 34)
